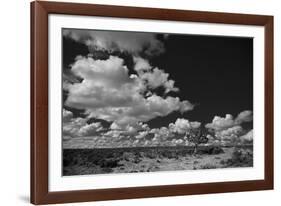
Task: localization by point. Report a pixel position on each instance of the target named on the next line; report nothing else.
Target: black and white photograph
(137, 102)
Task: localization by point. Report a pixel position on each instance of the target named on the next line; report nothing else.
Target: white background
(59, 183)
(14, 90)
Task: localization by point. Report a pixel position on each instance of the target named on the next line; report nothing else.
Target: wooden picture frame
(39, 102)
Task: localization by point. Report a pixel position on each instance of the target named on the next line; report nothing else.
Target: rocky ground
(101, 161)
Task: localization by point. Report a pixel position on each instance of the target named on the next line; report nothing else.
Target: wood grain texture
(39, 102)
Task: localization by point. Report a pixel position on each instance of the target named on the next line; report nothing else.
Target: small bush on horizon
(240, 158)
(208, 166)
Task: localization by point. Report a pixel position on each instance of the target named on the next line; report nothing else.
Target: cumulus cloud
(66, 115)
(143, 126)
(142, 135)
(113, 133)
(115, 126)
(138, 131)
(175, 142)
(166, 136)
(153, 77)
(131, 42)
(72, 127)
(230, 134)
(222, 123)
(77, 127)
(130, 130)
(66, 137)
(157, 78)
(90, 129)
(161, 133)
(248, 137)
(141, 65)
(212, 140)
(108, 92)
(245, 116)
(228, 130)
(182, 126)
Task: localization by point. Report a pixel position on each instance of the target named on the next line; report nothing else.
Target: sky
(123, 89)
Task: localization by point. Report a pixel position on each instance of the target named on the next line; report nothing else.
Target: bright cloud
(182, 126)
(141, 65)
(113, 134)
(161, 133)
(166, 136)
(66, 115)
(153, 77)
(77, 127)
(248, 137)
(142, 135)
(245, 116)
(230, 134)
(222, 123)
(72, 127)
(228, 129)
(90, 129)
(177, 142)
(131, 42)
(108, 92)
(115, 126)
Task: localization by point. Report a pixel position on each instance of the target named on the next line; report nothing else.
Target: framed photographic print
(131, 102)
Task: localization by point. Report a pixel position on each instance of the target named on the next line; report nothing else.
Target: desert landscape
(137, 101)
(153, 159)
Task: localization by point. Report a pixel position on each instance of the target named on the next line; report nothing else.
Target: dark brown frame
(39, 102)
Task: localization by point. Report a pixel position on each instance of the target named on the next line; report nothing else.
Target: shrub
(208, 166)
(107, 170)
(109, 163)
(128, 156)
(137, 160)
(169, 154)
(240, 158)
(66, 162)
(215, 150)
(152, 154)
(211, 150)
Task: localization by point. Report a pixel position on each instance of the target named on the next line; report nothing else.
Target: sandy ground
(189, 162)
